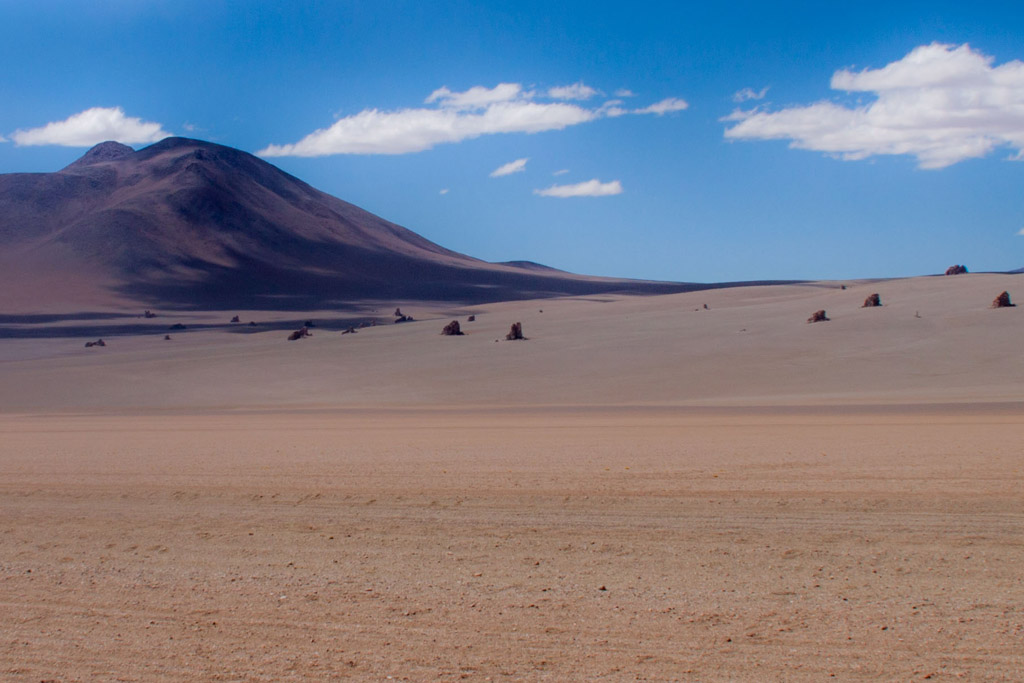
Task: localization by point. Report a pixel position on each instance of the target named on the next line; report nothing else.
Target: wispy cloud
(444, 191)
(940, 103)
(750, 94)
(477, 96)
(92, 127)
(517, 166)
(454, 117)
(561, 171)
(624, 92)
(3, 139)
(590, 188)
(576, 91)
(665, 106)
(1021, 233)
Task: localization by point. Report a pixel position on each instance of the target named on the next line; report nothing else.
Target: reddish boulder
(516, 332)
(452, 329)
(299, 334)
(956, 270)
(872, 301)
(1003, 301)
(818, 317)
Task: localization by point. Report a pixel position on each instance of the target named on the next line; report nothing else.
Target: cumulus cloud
(665, 106)
(749, 94)
(92, 127)
(576, 91)
(517, 166)
(454, 117)
(941, 104)
(590, 188)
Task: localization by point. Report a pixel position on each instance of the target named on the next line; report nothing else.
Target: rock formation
(236, 319)
(98, 342)
(299, 334)
(818, 316)
(956, 270)
(471, 318)
(178, 326)
(872, 301)
(452, 329)
(1002, 301)
(350, 330)
(516, 332)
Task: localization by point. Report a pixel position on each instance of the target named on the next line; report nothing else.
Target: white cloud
(613, 108)
(750, 94)
(478, 96)
(624, 92)
(3, 139)
(92, 127)
(456, 116)
(940, 103)
(576, 91)
(517, 166)
(1021, 233)
(561, 172)
(444, 191)
(590, 188)
(665, 106)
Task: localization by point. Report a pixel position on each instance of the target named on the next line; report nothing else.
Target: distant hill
(190, 224)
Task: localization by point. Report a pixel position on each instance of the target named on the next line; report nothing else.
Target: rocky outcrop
(956, 270)
(98, 342)
(404, 319)
(350, 330)
(516, 332)
(452, 329)
(178, 326)
(300, 333)
(818, 317)
(471, 318)
(236, 319)
(872, 301)
(1003, 301)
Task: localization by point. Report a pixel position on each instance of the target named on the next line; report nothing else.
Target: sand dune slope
(933, 340)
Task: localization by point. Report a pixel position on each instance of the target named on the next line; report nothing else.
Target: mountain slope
(192, 224)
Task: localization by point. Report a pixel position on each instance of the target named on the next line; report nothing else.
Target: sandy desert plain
(642, 490)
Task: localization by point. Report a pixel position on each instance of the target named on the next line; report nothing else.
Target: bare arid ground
(640, 491)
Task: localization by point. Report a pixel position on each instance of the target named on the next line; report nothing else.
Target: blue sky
(673, 141)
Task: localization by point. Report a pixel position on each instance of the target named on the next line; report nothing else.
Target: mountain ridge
(191, 224)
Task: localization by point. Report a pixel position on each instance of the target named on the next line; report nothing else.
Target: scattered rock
(842, 287)
(452, 329)
(872, 301)
(516, 332)
(404, 319)
(177, 326)
(350, 330)
(956, 270)
(706, 307)
(299, 334)
(398, 313)
(1002, 301)
(471, 319)
(252, 323)
(236, 319)
(98, 342)
(818, 316)
(149, 314)
(167, 337)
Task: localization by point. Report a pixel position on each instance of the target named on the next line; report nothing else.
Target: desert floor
(642, 490)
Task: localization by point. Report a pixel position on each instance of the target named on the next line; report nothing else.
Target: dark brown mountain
(191, 224)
